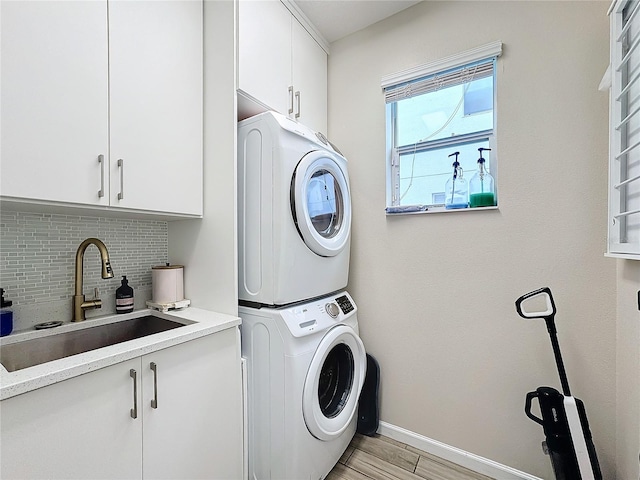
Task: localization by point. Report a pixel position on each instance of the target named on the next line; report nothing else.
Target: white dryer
(306, 366)
(294, 212)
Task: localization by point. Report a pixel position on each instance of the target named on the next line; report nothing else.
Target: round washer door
(321, 203)
(333, 384)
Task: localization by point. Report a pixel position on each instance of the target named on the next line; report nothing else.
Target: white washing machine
(294, 212)
(305, 368)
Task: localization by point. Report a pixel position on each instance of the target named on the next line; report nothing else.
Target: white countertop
(198, 323)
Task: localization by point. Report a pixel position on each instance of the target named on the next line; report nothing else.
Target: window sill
(441, 210)
(625, 256)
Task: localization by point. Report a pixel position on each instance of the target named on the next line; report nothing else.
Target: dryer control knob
(332, 309)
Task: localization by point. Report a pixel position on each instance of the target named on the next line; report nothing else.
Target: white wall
(208, 247)
(436, 292)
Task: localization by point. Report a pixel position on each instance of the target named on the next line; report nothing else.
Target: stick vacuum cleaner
(564, 418)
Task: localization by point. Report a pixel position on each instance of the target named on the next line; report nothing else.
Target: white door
(333, 383)
(321, 203)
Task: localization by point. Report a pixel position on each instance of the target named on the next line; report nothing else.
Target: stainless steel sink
(19, 355)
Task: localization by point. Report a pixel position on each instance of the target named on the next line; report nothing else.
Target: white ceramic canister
(168, 283)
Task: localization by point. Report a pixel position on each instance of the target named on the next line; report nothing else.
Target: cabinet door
(264, 53)
(54, 100)
(310, 79)
(155, 61)
(78, 428)
(195, 431)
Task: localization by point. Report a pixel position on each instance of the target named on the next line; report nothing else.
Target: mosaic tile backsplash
(37, 261)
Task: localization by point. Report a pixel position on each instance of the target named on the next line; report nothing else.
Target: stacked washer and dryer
(305, 361)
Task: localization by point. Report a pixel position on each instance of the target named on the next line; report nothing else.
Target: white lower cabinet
(196, 429)
(78, 428)
(84, 427)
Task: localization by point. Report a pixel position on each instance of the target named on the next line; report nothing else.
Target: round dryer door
(333, 383)
(321, 204)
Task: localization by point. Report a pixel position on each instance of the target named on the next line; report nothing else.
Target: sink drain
(42, 326)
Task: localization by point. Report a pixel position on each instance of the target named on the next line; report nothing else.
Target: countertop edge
(204, 323)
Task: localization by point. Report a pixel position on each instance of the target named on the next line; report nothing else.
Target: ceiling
(336, 19)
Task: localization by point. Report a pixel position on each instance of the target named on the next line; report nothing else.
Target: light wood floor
(382, 458)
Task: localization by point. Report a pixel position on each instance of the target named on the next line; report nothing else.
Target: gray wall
(37, 261)
(436, 292)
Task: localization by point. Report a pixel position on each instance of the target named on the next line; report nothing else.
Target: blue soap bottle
(6, 315)
(455, 190)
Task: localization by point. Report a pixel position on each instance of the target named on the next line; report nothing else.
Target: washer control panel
(311, 317)
(332, 309)
(345, 304)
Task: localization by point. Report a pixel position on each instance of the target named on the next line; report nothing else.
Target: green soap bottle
(482, 188)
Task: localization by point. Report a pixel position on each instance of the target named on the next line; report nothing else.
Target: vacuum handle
(528, 314)
(527, 407)
(548, 315)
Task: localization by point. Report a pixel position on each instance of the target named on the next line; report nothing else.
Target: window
(433, 111)
(624, 161)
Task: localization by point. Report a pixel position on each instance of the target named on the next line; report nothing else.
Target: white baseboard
(468, 460)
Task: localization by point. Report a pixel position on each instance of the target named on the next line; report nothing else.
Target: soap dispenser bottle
(124, 297)
(6, 315)
(456, 192)
(482, 192)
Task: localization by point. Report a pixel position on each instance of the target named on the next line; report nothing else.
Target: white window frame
(485, 52)
(618, 245)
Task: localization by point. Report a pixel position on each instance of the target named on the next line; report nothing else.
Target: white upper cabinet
(102, 104)
(264, 59)
(280, 65)
(155, 84)
(309, 79)
(54, 100)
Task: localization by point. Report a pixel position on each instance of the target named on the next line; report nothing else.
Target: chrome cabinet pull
(101, 162)
(290, 99)
(121, 167)
(134, 411)
(154, 402)
(298, 103)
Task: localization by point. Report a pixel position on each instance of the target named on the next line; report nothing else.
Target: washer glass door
(333, 384)
(321, 204)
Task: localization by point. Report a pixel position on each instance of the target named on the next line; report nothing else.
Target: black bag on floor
(368, 415)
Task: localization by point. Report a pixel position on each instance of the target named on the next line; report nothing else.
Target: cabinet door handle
(290, 99)
(298, 103)
(134, 411)
(121, 168)
(154, 402)
(101, 162)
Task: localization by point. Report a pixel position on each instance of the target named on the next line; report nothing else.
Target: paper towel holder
(168, 288)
